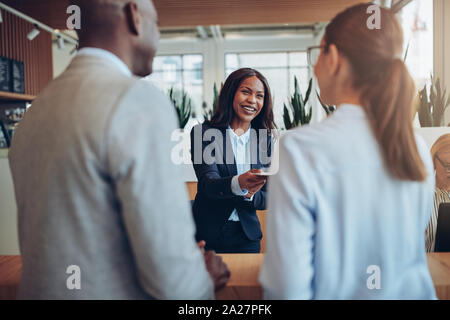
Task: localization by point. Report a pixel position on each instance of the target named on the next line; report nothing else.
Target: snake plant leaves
(433, 104)
(207, 114)
(183, 108)
(424, 109)
(286, 118)
(297, 107)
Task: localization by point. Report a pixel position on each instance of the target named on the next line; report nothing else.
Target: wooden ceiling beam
(180, 13)
(189, 13)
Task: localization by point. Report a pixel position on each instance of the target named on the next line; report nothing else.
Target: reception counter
(243, 284)
(245, 268)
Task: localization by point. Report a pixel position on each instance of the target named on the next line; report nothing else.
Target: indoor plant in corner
(180, 138)
(183, 106)
(432, 105)
(208, 113)
(432, 102)
(297, 107)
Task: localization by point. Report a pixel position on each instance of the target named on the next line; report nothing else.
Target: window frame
(287, 68)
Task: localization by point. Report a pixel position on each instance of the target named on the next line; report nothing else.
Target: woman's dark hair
(225, 112)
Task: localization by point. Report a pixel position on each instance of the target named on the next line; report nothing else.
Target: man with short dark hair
(102, 211)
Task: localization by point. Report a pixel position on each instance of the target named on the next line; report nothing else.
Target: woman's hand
(251, 182)
(249, 195)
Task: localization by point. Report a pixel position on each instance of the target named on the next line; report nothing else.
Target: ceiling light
(33, 33)
(202, 32)
(60, 42)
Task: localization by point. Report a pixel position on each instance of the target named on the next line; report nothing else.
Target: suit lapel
(254, 147)
(228, 154)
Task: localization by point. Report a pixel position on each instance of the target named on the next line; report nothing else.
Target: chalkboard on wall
(18, 76)
(5, 74)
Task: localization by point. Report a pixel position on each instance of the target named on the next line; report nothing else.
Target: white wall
(8, 212)
(430, 135)
(62, 57)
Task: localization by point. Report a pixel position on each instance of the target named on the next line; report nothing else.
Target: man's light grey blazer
(96, 188)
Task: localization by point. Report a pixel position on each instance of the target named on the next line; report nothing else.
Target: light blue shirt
(241, 150)
(339, 225)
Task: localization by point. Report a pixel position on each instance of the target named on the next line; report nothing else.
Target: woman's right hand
(251, 182)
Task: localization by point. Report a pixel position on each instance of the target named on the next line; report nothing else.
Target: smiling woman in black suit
(228, 152)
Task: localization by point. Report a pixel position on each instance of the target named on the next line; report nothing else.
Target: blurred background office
(201, 43)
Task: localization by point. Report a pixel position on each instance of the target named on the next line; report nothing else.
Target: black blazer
(215, 201)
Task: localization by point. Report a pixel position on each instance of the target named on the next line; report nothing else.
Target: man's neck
(114, 49)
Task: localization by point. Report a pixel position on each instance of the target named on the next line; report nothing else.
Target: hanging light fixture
(38, 26)
(60, 42)
(33, 33)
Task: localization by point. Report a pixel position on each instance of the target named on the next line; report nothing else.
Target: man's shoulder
(144, 92)
(144, 103)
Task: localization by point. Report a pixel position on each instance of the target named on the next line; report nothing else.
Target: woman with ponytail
(351, 201)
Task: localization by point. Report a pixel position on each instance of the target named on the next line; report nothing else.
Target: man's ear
(333, 59)
(133, 18)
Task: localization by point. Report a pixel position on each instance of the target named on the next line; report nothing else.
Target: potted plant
(183, 106)
(432, 104)
(297, 107)
(208, 113)
(432, 101)
(180, 153)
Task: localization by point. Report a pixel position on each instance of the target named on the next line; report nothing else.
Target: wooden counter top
(10, 271)
(243, 284)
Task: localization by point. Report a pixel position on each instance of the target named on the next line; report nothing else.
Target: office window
(279, 68)
(417, 23)
(183, 72)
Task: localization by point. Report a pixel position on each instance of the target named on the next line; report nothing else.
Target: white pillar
(442, 45)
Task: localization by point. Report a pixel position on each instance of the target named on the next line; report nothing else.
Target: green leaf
(298, 105)
(182, 105)
(424, 111)
(286, 118)
(308, 92)
(406, 53)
